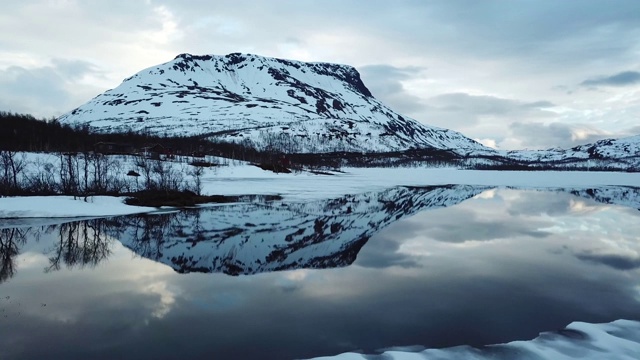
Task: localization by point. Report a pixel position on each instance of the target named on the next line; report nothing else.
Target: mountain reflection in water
(502, 266)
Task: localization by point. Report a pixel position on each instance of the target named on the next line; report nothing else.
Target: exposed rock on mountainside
(262, 102)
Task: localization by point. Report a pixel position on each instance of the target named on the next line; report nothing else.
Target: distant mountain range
(621, 154)
(297, 107)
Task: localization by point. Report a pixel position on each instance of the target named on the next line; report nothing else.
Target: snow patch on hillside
(66, 207)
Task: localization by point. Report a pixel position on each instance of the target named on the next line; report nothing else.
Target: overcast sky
(512, 74)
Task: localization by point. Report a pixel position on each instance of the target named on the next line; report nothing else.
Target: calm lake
(432, 266)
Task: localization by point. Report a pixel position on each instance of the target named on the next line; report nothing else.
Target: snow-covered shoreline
(244, 179)
(66, 207)
(615, 340)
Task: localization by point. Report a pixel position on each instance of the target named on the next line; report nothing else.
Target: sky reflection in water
(501, 266)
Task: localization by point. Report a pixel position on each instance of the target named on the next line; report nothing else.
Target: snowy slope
(243, 98)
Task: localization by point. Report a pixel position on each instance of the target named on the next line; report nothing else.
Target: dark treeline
(22, 132)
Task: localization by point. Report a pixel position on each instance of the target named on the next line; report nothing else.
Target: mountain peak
(276, 67)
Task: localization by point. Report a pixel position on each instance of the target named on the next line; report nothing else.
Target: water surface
(434, 266)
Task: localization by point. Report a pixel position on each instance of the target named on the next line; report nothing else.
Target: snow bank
(241, 178)
(66, 206)
(616, 340)
(246, 179)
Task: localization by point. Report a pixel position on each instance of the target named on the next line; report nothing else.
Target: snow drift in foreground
(616, 340)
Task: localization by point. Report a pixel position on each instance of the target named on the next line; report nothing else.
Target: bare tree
(10, 242)
(146, 169)
(11, 167)
(196, 172)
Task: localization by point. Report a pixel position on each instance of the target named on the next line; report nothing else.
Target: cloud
(74, 69)
(485, 105)
(386, 83)
(539, 135)
(616, 261)
(624, 78)
(445, 226)
(504, 58)
(483, 117)
(633, 131)
(382, 251)
(46, 90)
(540, 203)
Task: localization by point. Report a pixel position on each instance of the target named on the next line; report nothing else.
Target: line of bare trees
(87, 174)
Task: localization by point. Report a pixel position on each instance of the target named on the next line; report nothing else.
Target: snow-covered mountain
(623, 154)
(264, 102)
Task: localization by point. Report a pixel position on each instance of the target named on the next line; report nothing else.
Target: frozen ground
(66, 206)
(239, 178)
(300, 187)
(616, 340)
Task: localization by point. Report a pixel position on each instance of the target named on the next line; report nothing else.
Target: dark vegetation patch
(26, 133)
(186, 198)
(318, 172)
(276, 168)
(202, 163)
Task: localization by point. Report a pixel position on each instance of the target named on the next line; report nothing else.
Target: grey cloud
(484, 231)
(544, 41)
(382, 250)
(445, 226)
(539, 135)
(624, 78)
(538, 203)
(538, 104)
(74, 69)
(385, 83)
(43, 90)
(618, 262)
(21, 89)
(484, 104)
(476, 29)
(466, 109)
(633, 131)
